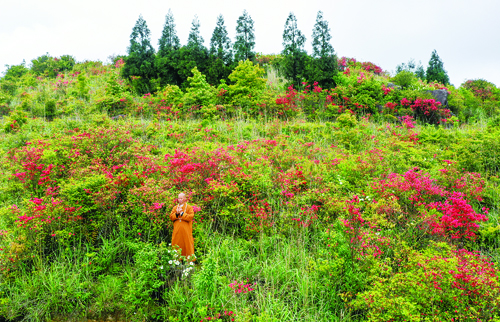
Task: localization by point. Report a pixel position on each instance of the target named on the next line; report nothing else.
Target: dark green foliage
(220, 45)
(190, 57)
(168, 53)
(245, 38)
(169, 40)
(195, 40)
(194, 54)
(49, 66)
(411, 66)
(294, 54)
(221, 54)
(322, 66)
(139, 64)
(436, 71)
(167, 67)
(50, 109)
(321, 38)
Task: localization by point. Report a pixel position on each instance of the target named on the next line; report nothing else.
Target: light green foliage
(412, 67)
(247, 83)
(207, 278)
(199, 91)
(405, 78)
(143, 279)
(15, 121)
(83, 88)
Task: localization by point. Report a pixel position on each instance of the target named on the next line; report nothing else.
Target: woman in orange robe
(182, 215)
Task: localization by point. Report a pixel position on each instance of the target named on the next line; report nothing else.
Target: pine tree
(220, 45)
(293, 50)
(323, 65)
(140, 59)
(169, 40)
(245, 38)
(436, 71)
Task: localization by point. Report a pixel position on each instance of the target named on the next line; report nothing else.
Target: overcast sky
(465, 33)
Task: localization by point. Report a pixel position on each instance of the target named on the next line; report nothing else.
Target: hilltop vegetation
(352, 196)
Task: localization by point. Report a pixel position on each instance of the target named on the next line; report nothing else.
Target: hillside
(370, 200)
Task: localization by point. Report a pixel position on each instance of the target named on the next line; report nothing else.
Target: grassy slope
(295, 274)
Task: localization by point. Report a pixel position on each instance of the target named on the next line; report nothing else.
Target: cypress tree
(221, 55)
(245, 38)
(323, 65)
(169, 40)
(293, 50)
(195, 40)
(436, 71)
(167, 60)
(140, 59)
(220, 45)
(194, 54)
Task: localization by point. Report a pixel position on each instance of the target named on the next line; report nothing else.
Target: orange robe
(183, 229)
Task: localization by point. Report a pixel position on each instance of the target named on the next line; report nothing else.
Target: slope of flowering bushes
(361, 87)
(381, 199)
(348, 203)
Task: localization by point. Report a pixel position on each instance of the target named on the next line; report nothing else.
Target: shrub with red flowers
(482, 89)
(430, 206)
(440, 283)
(345, 62)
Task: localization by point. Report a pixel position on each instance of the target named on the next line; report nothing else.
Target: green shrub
(404, 78)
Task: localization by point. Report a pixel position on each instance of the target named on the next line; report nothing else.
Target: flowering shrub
(345, 62)
(429, 205)
(437, 284)
(482, 89)
(241, 287)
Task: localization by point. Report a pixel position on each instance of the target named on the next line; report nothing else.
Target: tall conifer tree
(435, 70)
(169, 40)
(323, 65)
(140, 59)
(195, 40)
(293, 51)
(245, 38)
(167, 60)
(220, 45)
(194, 54)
